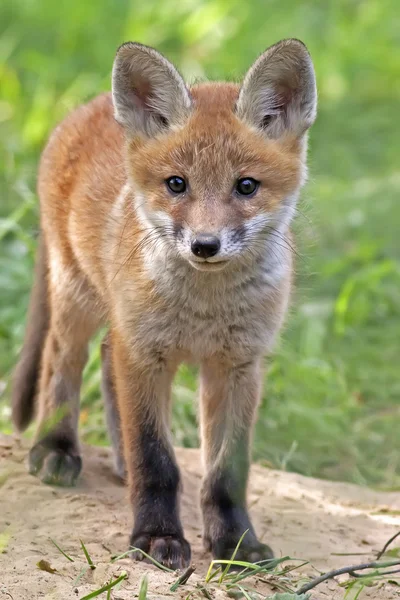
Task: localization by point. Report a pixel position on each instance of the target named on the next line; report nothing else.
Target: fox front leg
(229, 398)
(143, 387)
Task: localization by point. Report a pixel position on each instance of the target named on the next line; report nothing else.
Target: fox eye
(176, 184)
(246, 186)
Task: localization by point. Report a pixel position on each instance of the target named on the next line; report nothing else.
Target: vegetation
(236, 578)
(332, 398)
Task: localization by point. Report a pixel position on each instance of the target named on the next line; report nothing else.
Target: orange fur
(119, 251)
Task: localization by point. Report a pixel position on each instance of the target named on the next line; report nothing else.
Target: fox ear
(279, 92)
(149, 94)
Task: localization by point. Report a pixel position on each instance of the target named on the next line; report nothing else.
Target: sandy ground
(298, 516)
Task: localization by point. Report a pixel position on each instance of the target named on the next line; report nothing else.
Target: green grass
(332, 399)
(235, 579)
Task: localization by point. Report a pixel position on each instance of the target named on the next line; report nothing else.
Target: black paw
(169, 550)
(54, 466)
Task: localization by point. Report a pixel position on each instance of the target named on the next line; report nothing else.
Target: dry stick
(344, 571)
(386, 546)
(183, 578)
(352, 570)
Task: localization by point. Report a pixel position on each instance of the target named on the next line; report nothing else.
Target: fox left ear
(149, 94)
(279, 94)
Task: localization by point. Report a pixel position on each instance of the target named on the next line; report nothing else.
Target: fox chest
(232, 325)
(203, 334)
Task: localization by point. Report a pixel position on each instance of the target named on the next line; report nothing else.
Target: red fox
(165, 214)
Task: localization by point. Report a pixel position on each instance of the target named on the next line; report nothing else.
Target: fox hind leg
(111, 408)
(55, 457)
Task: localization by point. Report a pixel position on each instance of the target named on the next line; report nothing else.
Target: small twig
(386, 546)
(378, 573)
(182, 579)
(344, 571)
(351, 554)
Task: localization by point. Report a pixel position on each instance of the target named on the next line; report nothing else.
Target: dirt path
(297, 516)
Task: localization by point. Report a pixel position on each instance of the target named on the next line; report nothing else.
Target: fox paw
(53, 465)
(171, 551)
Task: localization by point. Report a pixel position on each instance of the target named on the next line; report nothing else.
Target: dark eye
(176, 185)
(246, 186)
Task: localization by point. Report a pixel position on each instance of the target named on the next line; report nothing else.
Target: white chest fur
(236, 314)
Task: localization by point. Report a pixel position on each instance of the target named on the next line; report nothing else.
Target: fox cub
(165, 214)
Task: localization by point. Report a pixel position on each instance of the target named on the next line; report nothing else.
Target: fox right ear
(279, 93)
(149, 94)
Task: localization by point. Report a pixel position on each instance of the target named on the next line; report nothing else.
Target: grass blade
(62, 551)
(245, 594)
(80, 575)
(225, 571)
(150, 558)
(105, 588)
(212, 574)
(203, 590)
(143, 588)
(237, 563)
(87, 555)
(257, 569)
(5, 537)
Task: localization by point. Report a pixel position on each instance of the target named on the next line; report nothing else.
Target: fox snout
(205, 245)
(206, 252)
(210, 251)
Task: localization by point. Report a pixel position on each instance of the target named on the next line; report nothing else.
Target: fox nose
(205, 245)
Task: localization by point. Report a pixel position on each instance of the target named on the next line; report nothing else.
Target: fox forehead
(215, 98)
(214, 146)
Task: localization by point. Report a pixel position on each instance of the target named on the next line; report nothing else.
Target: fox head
(215, 168)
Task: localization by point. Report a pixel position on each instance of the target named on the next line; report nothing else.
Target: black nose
(205, 245)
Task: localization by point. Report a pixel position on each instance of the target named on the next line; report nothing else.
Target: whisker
(153, 236)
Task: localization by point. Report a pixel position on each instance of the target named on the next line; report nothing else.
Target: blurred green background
(331, 405)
